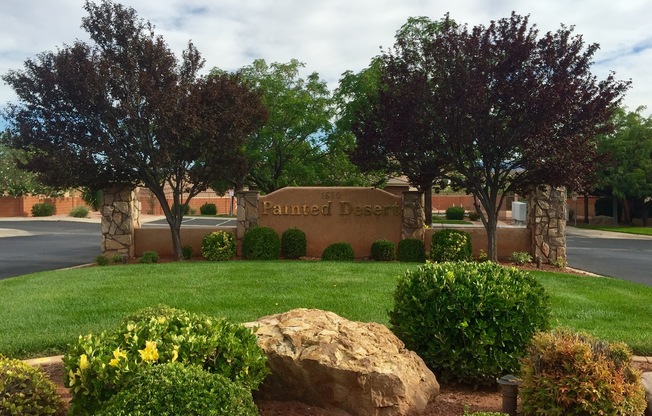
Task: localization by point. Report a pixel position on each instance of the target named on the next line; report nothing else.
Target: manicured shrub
(341, 251)
(149, 257)
(261, 243)
(102, 260)
(470, 322)
(186, 252)
(208, 209)
(293, 243)
(474, 216)
(451, 245)
(520, 258)
(44, 209)
(455, 213)
(25, 390)
(572, 374)
(99, 366)
(194, 392)
(411, 250)
(119, 258)
(383, 250)
(79, 212)
(218, 246)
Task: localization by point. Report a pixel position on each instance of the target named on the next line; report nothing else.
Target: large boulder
(646, 380)
(324, 360)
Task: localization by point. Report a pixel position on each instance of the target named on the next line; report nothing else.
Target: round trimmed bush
(186, 252)
(208, 209)
(261, 243)
(25, 390)
(411, 250)
(99, 366)
(383, 250)
(341, 251)
(470, 322)
(293, 243)
(44, 209)
(149, 257)
(173, 389)
(218, 246)
(568, 374)
(79, 212)
(455, 213)
(451, 245)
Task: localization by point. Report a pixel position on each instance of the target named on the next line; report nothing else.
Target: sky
(332, 36)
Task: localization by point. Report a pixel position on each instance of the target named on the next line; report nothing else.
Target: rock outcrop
(322, 359)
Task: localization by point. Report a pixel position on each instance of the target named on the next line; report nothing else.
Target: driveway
(620, 255)
(29, 246)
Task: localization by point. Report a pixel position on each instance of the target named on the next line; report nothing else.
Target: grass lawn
(43, 312)
(628, 229)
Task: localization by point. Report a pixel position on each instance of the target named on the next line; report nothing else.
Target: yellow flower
(161, 319)
(175, 353)
(117, 354)
(72, 378)
(83, 362)
(149, 353)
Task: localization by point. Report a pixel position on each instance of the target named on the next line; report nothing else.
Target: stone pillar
(414, 215)
(547, 220)
(247, 214)
(120, 216)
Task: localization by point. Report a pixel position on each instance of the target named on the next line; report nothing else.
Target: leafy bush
(186, 252)
(99, 366)
(92, 198)
(102, 260)
(575, 374)
(470, 322)
(208, 209)
(451, 245)
(119, 258)
(293, 243)
(149, 257)
(44, 209)
(341, 251)
(79, 212)
(218, 246)
(455, 213)
(25, 390)
(261, 243)
(474, 216)
(196, 393)
(482, 256)
(520, 258)
(383, 250)
(411, 250)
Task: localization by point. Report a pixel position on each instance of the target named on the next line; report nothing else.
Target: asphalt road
(34, 246)
(624, 256)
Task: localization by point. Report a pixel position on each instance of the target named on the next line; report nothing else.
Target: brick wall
(22, 206)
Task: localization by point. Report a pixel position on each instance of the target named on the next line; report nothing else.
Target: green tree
(507, 109)
(628, 171)
(15, 181)
(124, 109)
(297, 145)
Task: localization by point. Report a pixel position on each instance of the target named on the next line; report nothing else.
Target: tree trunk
(615, 210)
(427, 204)
(492, 245)
(175, 232)
(586, 208)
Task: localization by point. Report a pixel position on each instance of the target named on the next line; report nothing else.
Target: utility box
(519, 212)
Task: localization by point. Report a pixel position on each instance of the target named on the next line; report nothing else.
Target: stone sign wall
(331, 214)
(547, 220)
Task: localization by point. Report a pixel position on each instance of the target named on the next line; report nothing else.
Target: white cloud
(330, 36)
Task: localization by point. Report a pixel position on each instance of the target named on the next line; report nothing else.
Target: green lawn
(628, 229)
(43, 312)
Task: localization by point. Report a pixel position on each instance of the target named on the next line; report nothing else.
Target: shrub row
(25, 390)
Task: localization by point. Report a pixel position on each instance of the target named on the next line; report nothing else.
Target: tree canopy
(505, 107)
(124, 109)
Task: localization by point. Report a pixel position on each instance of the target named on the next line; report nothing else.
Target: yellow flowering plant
(98, 366)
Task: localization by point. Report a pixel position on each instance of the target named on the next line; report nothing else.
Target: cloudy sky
(332, 36)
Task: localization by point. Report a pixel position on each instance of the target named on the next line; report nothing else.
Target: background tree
(507, 109)
(125, 110)
(628, 174)
(15, 181)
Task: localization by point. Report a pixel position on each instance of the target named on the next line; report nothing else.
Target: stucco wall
(160, 240)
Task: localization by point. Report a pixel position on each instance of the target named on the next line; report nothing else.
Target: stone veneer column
(547, 220)
(247, 214)
(413, 215)
(120, 216)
